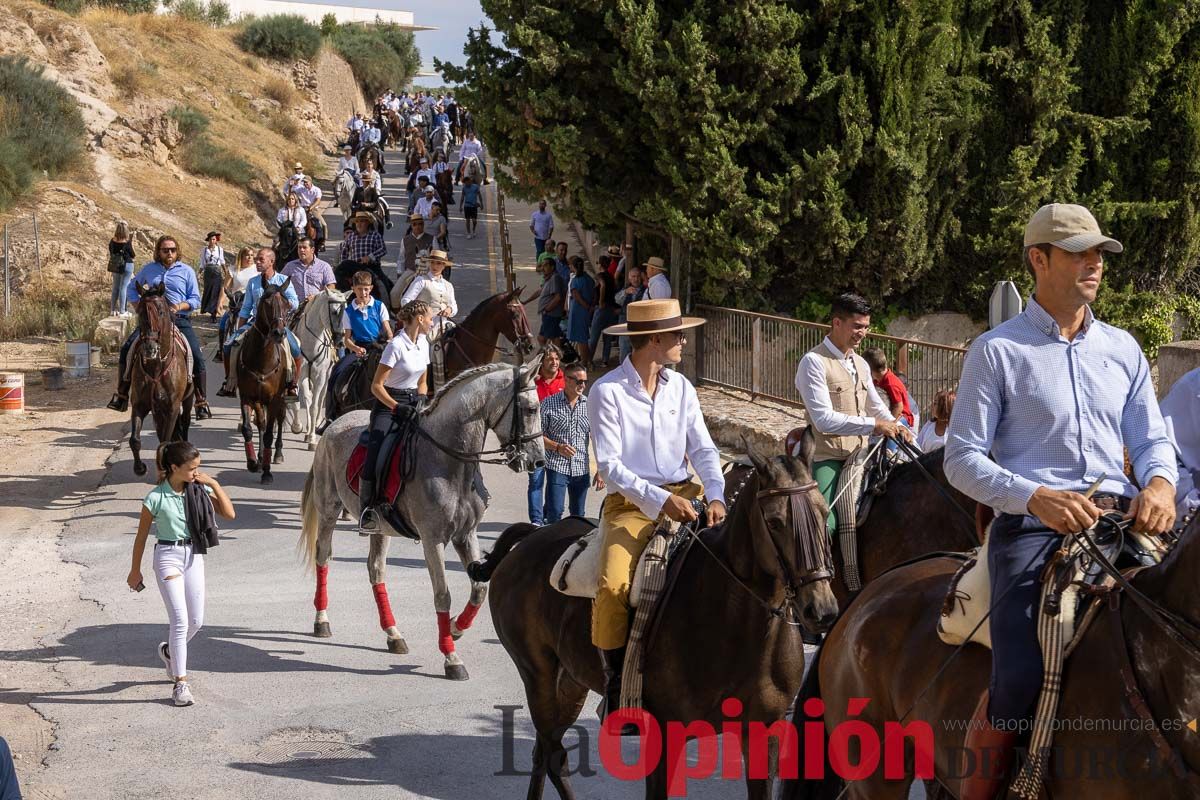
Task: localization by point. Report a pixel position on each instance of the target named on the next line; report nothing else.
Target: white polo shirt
(406, 359)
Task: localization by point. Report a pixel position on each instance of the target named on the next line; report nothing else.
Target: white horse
(344, 186)
(318, 331)
(442, 502)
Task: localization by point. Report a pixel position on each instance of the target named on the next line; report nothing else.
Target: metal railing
(759, 354)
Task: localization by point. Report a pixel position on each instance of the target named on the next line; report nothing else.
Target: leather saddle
(391, 466)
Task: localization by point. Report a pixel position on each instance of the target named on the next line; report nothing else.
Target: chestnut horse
(1149, 635)
(160, 381)
(262, 378)
(723, 649)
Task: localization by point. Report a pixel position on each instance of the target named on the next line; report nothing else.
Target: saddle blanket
(137, 343)
(577, 571)
(393, 470)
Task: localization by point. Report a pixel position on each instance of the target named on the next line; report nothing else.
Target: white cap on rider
(428, 190)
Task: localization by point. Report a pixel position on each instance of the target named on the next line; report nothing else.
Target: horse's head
(271, 317)
(335, 305)
(790, 521)
(154, 320)
(514, 414)
(515, 324)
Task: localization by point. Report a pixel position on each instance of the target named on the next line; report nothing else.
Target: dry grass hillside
(166, 102)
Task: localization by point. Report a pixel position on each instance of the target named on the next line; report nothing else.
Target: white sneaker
(164, 655)
(182, 695)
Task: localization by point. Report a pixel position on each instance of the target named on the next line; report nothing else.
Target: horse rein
(816, 561)
(154, 323)
(260, 323)
(324, 336)
(510, 449)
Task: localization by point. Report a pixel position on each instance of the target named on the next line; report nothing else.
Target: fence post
(702, 332)
(756, 357)
(37, 245)
(7, 299)
(902, 359)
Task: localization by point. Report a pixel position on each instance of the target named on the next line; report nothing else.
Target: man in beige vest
(840, 398)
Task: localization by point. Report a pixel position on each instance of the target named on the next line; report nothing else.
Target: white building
(315, 12)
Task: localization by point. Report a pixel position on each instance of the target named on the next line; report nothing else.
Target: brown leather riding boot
(293, 394)
(988, 757)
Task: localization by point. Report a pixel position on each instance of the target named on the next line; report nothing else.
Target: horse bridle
(812, 550)
(156, 324)
(510, 450)
(264, 327)
(326, 343)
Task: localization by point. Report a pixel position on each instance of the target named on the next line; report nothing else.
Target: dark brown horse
(160, 381)
(912, 518)
(445, 190)
(395, 129)
(894, 621)
(262, 378)
(715, 641)
(472, 343)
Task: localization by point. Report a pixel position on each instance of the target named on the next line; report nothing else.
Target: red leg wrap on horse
(466, 617)
(445, 640)
(321, 599)
(386, 620)
(250, 452)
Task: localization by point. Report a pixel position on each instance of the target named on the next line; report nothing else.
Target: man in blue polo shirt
(183, 294)
(265, 261)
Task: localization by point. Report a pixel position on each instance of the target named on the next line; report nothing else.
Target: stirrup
(321, 428)
(119, 402)
(368, 522)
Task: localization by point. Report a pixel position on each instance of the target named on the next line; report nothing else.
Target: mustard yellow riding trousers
(624, 533)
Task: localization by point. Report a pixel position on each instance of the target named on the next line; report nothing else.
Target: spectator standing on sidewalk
(636, 290)
(541, 225)
(548, 381)
(658, 287)
(551, 302)
(565, 433)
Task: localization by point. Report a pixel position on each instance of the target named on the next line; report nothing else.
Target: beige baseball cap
(1069, 227)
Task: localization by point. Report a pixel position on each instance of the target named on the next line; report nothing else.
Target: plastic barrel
(79, 359)
(12, 392)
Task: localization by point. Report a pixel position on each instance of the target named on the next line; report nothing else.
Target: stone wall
(1174, 361)
(340, 95)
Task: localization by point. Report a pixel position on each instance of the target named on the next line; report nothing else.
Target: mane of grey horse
(318, 330)
(444, 501)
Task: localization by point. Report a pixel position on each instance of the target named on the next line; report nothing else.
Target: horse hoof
(139, 468)
(321, 630)
(268, 478)
(455, 632)
(397, 646)
(279, 458)
(252, 466)
(297, 428)
(456, 672)
(312, 445)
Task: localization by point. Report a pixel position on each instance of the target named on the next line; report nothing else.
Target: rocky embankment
(134, 76)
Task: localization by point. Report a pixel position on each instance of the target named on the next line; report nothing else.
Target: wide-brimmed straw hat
(298, 165)
(656, 262)
(613, 250)
(442, 256)
(415, 217)
(362, 215)
(653, 316)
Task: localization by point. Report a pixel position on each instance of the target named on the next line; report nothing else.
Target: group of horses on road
(733, 629)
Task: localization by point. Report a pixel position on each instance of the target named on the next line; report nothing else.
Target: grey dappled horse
(445, 499)
(319, 329)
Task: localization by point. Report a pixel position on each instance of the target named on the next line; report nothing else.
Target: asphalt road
(278, 712)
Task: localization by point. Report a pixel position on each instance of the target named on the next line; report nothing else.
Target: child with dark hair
(181, 509)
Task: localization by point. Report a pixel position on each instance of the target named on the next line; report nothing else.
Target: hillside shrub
(54, 309)
(190, 121)
(381, 56)
(283, 37)
(130, 6)
(218, 13)
(202, 156)
(41, 128)
(280, 90)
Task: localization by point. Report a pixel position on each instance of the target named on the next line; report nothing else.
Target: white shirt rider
(471, 147)
(406, 359)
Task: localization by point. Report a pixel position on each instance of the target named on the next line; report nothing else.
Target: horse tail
(481, 571)
(309, 525)
(830, 786)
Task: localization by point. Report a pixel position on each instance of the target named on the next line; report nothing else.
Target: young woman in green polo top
(178, 569)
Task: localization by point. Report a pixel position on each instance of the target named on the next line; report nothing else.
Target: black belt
(396, 394)
(166, 543)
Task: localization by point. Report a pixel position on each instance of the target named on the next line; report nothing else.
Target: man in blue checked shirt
(565, 432)
(183, 293)
(1054, 396)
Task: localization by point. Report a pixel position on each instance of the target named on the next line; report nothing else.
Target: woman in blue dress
(583, 304)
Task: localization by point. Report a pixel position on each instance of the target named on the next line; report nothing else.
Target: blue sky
(450, 17)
